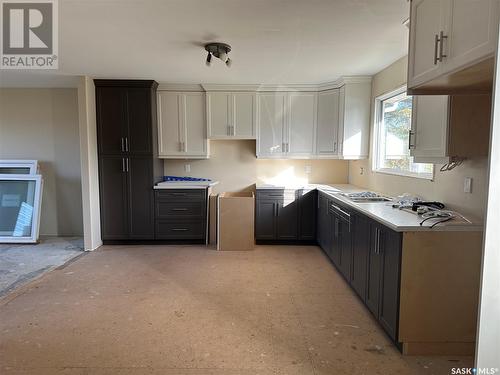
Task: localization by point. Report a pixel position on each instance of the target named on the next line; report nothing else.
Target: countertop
(396, 219)
(185, 185)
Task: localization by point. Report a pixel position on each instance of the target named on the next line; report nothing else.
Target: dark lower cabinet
(265, 219)
(383, 276)
(360, 250)
(390, 248)
(307, 215)
(285, 216)
(181, 214)
(367, 254)
(287, 220)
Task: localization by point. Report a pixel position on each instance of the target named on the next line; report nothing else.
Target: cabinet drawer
(180, 230)
(181, 194)
(275, 194)
(174, 209)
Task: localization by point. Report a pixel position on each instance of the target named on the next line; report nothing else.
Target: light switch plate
(467, 185)
(187, 168)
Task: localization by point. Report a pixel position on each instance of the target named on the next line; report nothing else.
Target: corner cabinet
(182, 125)
(286, 125)
(447, 36)
(344, 121)
(285, 215)
(231, 115)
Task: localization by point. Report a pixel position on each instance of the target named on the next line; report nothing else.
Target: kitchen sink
(365, 197)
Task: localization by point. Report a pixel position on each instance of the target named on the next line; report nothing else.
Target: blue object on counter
(178, 178)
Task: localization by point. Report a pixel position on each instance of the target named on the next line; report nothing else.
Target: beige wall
(447, 187)
(42, 124)
(234, 164)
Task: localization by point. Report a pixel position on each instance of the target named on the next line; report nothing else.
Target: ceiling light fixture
(219, 50)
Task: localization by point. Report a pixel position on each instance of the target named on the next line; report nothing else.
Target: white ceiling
(274, 41)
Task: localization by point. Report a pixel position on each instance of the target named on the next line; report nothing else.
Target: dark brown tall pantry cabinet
(128, 158)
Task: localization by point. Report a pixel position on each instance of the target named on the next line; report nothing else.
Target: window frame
(377, 116)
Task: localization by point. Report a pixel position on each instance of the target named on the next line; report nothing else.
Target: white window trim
(377, 116)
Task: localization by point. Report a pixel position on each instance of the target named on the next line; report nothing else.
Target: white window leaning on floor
(392, 125)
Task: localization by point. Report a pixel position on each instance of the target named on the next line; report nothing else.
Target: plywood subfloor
(191, 311)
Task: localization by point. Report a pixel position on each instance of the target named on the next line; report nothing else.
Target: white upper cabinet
(447, 36)
(344, 121)
(231, 115)
(301, 129)
(429, 128)
(182, 125)
(328, 123)
(427, 21)
(272, 122)
(287, 125)
(472, 31)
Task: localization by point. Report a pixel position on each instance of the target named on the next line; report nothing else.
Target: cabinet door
(287, 220)
(307, 215)
(360, 249)
(345, 247)
(322, 221)
(218, 114)
(194, 125)
(113, 198)
(111, 120)
(265, 219)
(140, 198)
(270, 142)
(429, 137)
(301, 129)
(328, 123)
(426, 22)
(243, 113)
(170, 126)
(472, 29)
(374, 265)
(390, 252)
(335, 250)
(138, 139)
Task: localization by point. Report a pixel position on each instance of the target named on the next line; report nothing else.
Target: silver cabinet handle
(126, 144)
(183, 146)
(442, 37)
(277, 209)
(228, 130)
(123, 145)
(288, 147)
(179, 229)
(179, 209)
(126, 164)
(411, 145)
(335, 146)
(436, 42)
(123, 164)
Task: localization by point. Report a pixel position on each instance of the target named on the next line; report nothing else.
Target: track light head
(228, 62)
(209, 59)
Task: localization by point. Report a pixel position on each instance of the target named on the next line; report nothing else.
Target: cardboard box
(235, 224)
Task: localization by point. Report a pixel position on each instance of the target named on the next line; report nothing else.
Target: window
(392, 126)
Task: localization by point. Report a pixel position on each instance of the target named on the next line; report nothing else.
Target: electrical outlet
(308, 169)
(187, 168)
(361, 170)
(467, 185)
